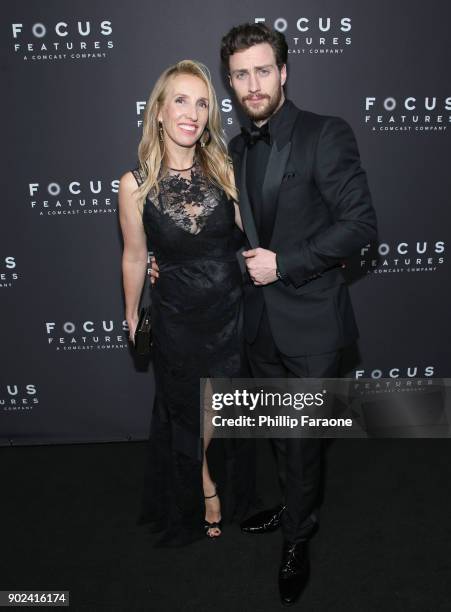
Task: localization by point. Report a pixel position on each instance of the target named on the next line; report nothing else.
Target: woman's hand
(132, 323)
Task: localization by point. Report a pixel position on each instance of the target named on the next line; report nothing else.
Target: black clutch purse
(143, 333)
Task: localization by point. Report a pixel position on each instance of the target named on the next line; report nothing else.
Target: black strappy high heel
(214, 524)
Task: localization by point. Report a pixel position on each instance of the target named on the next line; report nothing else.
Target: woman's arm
(134, 256)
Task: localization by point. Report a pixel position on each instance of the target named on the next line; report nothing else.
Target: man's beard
(266, 112)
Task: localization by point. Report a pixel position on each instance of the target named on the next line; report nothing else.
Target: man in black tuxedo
(305, 207)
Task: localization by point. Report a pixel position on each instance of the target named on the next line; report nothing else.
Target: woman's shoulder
(128, 185)
(131, 178)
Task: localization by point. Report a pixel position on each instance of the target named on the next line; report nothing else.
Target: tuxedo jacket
(323, 214)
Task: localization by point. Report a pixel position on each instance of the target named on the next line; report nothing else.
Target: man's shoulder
(316, 121)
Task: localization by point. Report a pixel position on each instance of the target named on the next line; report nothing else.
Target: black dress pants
(298, 460)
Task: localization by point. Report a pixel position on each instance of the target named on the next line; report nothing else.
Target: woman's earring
(205, 138)
(160, 131)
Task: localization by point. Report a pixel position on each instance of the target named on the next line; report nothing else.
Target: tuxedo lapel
(275, 170)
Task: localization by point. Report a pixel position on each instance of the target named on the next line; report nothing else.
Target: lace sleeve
(137, 173)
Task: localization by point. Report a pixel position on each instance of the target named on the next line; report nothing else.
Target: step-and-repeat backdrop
(75, 79)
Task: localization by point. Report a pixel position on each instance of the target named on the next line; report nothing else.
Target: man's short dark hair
(249, 34)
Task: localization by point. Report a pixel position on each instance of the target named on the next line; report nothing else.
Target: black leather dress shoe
(263, 522)
(294, 571)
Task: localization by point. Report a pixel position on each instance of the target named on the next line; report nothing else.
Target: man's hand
(261, 265)
(153, 271)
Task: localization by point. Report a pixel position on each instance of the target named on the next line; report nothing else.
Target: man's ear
(230, 80)
(283, 74)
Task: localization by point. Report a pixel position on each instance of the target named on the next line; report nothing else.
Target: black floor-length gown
(196, 306)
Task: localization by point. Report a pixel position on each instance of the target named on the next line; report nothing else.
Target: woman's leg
(212, 503)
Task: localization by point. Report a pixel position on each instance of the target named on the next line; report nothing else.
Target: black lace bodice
(190, 217)
(188, 201)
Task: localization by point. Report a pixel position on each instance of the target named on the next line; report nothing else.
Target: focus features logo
(225, 105)
(8, 271)
(396, 372)
(408, 256)
(87, 335)
(406, 379)
(410, 114)
(18, 398)
(313, 35)
(73, 197)
(64, 40)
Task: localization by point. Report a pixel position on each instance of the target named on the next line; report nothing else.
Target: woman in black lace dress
(180, 203)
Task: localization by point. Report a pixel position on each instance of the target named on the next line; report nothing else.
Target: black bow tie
(255, 134)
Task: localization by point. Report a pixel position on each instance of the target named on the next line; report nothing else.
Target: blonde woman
(180, 202)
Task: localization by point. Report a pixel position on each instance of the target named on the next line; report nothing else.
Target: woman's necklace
(182, 169)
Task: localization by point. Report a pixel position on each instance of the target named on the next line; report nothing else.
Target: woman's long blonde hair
(213, 156)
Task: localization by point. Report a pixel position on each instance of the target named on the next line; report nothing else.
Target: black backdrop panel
(75, 78)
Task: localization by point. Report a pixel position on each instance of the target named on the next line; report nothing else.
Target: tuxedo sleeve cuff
(281, 272)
